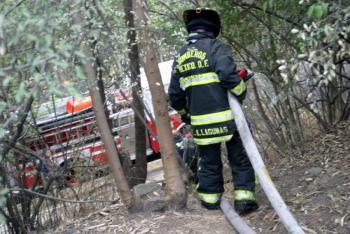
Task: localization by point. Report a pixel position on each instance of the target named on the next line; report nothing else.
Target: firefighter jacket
(202, 73)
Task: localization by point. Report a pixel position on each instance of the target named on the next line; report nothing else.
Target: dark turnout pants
(210, 167)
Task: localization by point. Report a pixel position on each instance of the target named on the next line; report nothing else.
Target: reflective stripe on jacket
(202, 73)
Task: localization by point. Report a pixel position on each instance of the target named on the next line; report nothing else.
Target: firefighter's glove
(186, 119)
(241, 97)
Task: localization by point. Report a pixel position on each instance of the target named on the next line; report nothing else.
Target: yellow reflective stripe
(205, 78)
(239, 89)
(195, 117)
(212, 140)
(244, 195)
(217, 117)
(182, 111)
(209, 198)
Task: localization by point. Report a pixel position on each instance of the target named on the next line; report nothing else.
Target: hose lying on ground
(237, 222)
(266, 183)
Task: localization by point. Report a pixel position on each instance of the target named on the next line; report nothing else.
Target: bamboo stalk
(268, 186)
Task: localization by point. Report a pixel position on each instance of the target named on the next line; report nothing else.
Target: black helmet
(202, 18)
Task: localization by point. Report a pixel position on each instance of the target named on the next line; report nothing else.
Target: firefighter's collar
(200, 35)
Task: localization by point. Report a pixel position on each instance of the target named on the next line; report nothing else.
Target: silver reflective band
(205, 78)
(244, 195)
(209, 198)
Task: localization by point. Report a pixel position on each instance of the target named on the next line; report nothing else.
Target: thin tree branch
(345, 59)
(16, 68)
(317, 116)
(270, 13)
(62, 199)
(19, 127)
(14, 7)
(265, 24)
(20, 50)
(170, 10)
(2, 42)
(248, 52)
(100, 14)
(20, 67)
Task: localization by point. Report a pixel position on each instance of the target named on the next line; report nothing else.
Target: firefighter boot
(211, 206)
(210, 201)
(245, 206)
(245, 202)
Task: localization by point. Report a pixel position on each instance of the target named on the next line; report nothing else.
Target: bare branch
(247, 9)
(19, 127)
(20, 67)
(248, 52)
(317, 116)
(14, 7)
(170, 10)
(62, 199)
(270, 13)
(2, 42)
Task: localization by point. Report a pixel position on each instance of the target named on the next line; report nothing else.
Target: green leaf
(53, 90)
(2, 132)
(21, 93)
(325, 9)
(317, 10)
(2, 106)
(2, 219)
(310, 11)
(7, 80)
(3, 191)
(37, 77)
(80, 54)
(2, 200)
(265, 5)
(37, 61)
(74, 92)
(60, 63)
(79, 72)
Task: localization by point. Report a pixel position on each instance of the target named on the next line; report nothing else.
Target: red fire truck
(68, 136)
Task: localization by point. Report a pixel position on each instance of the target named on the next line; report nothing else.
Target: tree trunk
(102, 123)
(175, 189)
(140, 172)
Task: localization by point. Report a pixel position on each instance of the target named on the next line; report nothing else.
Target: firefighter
(202, 74)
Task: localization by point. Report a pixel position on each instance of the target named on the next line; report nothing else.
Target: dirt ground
(314, 181)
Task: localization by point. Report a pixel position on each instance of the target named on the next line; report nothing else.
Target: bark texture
(106, 135)
(140, 171)
(175, 187)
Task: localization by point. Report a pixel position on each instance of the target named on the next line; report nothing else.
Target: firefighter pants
(210, 168)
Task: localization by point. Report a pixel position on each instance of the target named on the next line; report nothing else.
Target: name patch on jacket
(210, 131)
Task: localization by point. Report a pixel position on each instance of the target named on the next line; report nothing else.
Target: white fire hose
(266, 183)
